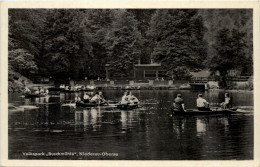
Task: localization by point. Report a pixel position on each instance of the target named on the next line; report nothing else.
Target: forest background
(77, 43)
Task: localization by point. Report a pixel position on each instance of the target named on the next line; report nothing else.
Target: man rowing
(98, 98)
(132, 99)
(129, 98)
(124, 99)
(86, 98)
(27, 90)
(202, 104)
(77, 99)
(101, 98)
(178, 104)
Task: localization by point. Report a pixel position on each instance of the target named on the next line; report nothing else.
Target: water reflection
(145, 133)
(201, 127)
(94, 118)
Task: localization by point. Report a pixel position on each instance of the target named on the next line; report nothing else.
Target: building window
(150, 74)
(161, 74)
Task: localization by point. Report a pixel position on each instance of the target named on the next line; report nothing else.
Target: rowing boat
(213, 111)
(81, 104)
(35, 95)
(56, 89)
(127, 106)
(70, 91)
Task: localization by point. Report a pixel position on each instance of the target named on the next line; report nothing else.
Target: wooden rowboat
(79, 104)
(214, 111)
(127, 106)
(55, 89)
(70, 91)
(35, 95)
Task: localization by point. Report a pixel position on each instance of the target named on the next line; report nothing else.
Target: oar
(112, 101)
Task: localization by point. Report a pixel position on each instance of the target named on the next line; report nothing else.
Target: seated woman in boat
(67, 88)
(124, 99)
(46, 91)
(72, 88)
(27, 90)
(36, 92)
(96, 98)
(77, 87)
(83, 87)
(132, 99)
(227, 103)
(202, 104)
(77, 98)
(62, 86)
(86, 98)
(102, 98)
(41, 90)
(178, 104)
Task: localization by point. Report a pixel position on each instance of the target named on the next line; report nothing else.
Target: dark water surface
(146, 133)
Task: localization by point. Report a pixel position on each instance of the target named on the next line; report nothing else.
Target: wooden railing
(207, 79)
(202, 79)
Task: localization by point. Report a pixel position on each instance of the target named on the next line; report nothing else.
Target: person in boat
(27, 90)
(77, 98)
(86, 98)
(202, 104)
(41, 90)
(227, 103)
(132, 99)
(62, 86)
(102, 98)
(36, 92)
(95, 98)
(46, 91)
(124, 99)
(83, 87)
(72, 88)
(178, 103)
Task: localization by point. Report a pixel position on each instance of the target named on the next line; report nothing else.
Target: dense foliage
(229, 28)
(179, 44)
(123, 44)
(79, 43)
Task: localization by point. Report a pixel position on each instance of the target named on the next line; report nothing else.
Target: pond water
(151, 132)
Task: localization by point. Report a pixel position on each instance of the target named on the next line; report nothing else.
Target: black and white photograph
(130, 84)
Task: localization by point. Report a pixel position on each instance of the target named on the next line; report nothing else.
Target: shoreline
(123, 88)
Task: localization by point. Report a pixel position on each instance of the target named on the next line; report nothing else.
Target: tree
(66, 45)
(123, 44)
(143, 16)
(77, 43)
(231, 49)
(23, 62)
(97, 23)
(177, 37)
(25, 26)
(241, 19)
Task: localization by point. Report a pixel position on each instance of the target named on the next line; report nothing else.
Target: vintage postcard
(110, 83)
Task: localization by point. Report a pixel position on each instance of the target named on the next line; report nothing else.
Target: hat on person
(178, 95)
(200, 95)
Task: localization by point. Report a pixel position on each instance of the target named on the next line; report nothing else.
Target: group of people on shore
(38, 91)
(76, 87)
(202, 103)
